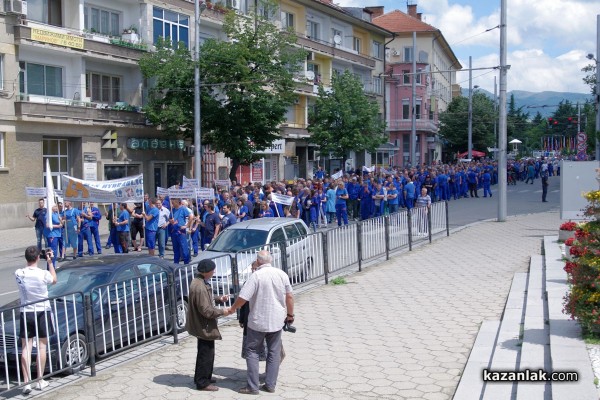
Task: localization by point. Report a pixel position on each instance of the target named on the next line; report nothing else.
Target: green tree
(247, 85)
(454, 124)
(344, 119)
(516, 120)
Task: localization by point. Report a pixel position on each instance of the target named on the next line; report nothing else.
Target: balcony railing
(425, 125)
(68, 109)
(322, 46)
(83, 41)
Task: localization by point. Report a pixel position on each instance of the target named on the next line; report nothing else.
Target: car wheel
(182, 307)
(74, 353)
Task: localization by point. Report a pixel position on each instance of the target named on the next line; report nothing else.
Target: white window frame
(313, 30)
(23, 65)
(90, 90)
(2, 149)
(377, 85)
(356, 44)
(112, 31)
(287, 20)
(408, 53)
(1, 71)
(56, 172)
(377, 51)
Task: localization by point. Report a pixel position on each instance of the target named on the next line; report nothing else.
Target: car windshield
(77, 280)
(232, 240)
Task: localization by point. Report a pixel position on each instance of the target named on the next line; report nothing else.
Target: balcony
(55, 109)
(423, 125)
(324, 47)
(76, 41)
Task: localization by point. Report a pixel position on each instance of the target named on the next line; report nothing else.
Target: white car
(244, 239)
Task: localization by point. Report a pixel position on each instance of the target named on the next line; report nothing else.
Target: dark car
(130, 303)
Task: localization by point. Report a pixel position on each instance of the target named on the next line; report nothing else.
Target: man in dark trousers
(201, 322)
(271, 305)
(544, 174)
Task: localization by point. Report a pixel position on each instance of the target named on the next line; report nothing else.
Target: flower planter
(131, 37)
(568, 252)
(564, 235)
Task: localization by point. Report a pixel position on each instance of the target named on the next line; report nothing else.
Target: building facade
(435, 78)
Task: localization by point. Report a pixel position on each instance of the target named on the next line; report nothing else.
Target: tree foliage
(247, 85)
(454, 124)
(344, 119)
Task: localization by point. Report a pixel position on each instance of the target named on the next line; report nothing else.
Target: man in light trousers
(271, 305)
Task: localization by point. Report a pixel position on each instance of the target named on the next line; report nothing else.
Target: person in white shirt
(271, 305)
(35, 319)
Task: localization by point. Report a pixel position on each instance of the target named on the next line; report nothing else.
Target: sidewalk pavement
(402, 329)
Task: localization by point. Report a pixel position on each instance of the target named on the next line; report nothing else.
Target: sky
(548, 40)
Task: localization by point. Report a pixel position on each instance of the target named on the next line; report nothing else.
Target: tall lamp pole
(199, 7)
(470, 117)
(502, 128)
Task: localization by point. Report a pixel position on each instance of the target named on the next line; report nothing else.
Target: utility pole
(597, 87)
(470, 116)
(496, 117)
(413, 129)
(197, 134)
(502, 188)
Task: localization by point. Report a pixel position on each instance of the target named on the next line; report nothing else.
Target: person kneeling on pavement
(202, 323)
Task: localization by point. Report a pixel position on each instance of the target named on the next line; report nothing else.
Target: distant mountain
(544, 102)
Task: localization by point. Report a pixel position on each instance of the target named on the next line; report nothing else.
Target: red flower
(569, 241)
(569, 267)
(568, 226)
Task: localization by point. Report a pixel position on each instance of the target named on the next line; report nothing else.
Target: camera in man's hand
(46, 252)
(287, 327)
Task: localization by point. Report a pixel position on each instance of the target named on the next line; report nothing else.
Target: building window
(103, 88)
(1, 71)
(40, 79)
(45, 11)
(377, 85)
(56, 151)
(408, 52)
(405, 109)
(315, 69)
(287, 20)
(2, 149)
(313, 30)
(169, 24)
(377, 50)
(121, 171)
(418, 76)
(406, 77)
(356, 43)
(101, 21)
(418, 110)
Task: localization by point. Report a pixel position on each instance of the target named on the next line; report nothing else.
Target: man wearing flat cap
(202, 323)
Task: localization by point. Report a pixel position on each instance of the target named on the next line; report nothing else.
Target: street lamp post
(470, 129)
(199, 7)
(597, 93)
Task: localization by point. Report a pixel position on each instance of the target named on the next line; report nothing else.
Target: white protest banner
(124, 190)
(162, 191)
(205, 193)
(190, 183)
(366, 169)
(338, 174)
(222, 182)
(182, 193)
(282, 199)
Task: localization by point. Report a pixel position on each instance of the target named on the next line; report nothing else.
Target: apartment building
(435, 78)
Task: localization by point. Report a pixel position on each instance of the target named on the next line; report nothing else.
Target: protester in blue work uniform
(487, 181)
(353, 188)
(379, 196)
(39, 216)
(442, 184)
(72, 220)
(320, 174)
(113, 235)
(265, 210)
(472, 180)
(164, 215)
(366, 202)
(393, 201)
(242, 211)
(63, 233)
(84, 230)
(95, 227)
(409, 190)
(122, 228)
(229, 217)
(179, 222)
(313, 210)
(53, 233)
(341, 211)
(530, 173)
(330, 204)
(151, 216)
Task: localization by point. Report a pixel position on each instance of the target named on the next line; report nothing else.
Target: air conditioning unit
(231, 3)
(18, 7)
(395, 53)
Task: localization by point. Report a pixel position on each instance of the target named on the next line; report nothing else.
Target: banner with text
(124, 190)
(40, 192)
(205, 193)
(185, 193)
(282, 199)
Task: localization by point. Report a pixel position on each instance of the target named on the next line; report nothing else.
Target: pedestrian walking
(544, 175)
(151, 217)
(180, 223)
(39, 216)
(122, 229)
(163, 224)
(422, 209)
(35, 319)
(201, 322)
(271, 305)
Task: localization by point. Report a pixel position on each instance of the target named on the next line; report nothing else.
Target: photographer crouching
(271, 304)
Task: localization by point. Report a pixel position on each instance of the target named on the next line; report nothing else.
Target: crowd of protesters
(325, 199)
